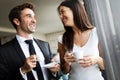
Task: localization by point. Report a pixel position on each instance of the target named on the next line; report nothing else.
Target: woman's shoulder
(94, 30)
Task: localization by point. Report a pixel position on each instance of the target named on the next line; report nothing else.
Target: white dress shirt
(24, 46)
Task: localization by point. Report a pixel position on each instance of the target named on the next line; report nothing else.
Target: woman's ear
(16, 21)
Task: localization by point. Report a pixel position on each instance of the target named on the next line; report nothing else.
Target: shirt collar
(22, 39)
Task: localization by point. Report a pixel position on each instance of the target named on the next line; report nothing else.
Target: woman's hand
(87, 61)
(69, 58)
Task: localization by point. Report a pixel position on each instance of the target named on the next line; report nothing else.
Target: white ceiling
(46, 14)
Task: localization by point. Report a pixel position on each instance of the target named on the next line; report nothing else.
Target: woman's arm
(65, 67)
(100, 60)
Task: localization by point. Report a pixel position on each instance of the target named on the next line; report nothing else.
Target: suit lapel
(18, 49)
(46, 52)
(44, 49)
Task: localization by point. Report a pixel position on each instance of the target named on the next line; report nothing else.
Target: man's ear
(16, 21)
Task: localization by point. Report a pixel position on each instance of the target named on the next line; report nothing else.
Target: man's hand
(29, 64)
(56, 68)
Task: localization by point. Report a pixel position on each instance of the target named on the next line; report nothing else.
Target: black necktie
(32, 52)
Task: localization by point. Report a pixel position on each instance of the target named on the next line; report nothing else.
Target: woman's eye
(62, 12)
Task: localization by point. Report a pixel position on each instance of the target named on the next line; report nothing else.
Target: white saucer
(49, 65)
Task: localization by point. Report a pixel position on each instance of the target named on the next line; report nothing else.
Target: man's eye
(28, 15)
(62, 11)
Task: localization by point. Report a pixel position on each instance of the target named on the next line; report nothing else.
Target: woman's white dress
(90, 48)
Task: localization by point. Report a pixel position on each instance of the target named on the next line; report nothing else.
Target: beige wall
(52, 38)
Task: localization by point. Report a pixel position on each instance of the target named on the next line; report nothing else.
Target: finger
(33, 57)
(69, 54)
(81, 61)
(86, 64)
(87, 61)
(54, 69)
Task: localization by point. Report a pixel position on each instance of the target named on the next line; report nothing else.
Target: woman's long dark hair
(80, 19)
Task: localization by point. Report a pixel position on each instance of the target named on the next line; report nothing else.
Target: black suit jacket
(12, 58)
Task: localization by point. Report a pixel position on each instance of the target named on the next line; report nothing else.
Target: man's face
(28, 21)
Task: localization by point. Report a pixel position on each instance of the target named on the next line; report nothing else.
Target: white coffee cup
(78, 54)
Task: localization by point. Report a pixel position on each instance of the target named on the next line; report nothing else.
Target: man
(16, 62)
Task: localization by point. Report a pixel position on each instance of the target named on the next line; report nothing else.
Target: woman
(79, 36)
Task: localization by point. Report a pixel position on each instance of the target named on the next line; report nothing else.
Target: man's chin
(30, 32)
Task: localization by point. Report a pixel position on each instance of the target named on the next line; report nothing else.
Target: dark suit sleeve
(7, 69)
(3, 68)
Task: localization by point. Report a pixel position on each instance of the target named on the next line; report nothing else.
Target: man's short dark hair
(16, 11)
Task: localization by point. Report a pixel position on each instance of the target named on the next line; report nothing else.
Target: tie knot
(31, 47)
(29, 41)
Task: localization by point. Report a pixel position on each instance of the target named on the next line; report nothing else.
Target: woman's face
(66, 16)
